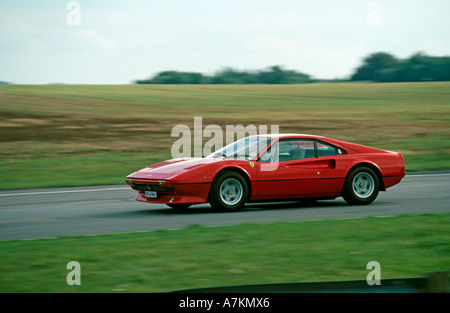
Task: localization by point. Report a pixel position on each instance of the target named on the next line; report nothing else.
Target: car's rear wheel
(229, 191)
(361, 186)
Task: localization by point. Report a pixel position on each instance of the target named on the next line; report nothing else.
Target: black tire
(229, 191)
(179, 206)
(361, 186)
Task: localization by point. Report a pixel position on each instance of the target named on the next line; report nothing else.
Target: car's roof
(343, 144)
(289, 135)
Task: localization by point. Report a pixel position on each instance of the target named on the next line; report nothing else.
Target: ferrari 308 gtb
(265, 168)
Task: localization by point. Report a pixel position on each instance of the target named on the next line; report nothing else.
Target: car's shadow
(250, 207)
(143, 209)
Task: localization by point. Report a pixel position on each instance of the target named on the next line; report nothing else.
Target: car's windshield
(244, 149)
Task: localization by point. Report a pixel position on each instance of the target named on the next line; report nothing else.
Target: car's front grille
(145, 187)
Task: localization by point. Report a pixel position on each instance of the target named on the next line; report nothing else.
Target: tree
(380, 66)
(271, 75)
(232, 76)
(383, 67)
(276, 75)
(174, 77)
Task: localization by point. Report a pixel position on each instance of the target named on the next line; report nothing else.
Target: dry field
(75, 135)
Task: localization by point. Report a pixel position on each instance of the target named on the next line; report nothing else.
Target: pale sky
(117, 42)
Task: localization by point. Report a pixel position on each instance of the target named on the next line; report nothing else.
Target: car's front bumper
(170, 193)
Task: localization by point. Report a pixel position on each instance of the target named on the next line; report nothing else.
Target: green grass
(196, 256)
(71, 171)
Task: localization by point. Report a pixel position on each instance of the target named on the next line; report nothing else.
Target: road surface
(43, 213)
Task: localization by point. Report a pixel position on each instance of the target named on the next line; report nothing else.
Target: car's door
(289, 169)
(330, 159)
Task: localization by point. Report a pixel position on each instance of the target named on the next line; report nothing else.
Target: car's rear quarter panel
(389, 165)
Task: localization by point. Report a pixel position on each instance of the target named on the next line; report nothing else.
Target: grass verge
(196, 256)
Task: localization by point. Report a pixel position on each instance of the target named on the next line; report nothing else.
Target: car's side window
(324, 149)
(288, 150)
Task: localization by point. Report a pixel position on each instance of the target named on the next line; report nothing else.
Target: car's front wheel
(361, 186)
(229, 191)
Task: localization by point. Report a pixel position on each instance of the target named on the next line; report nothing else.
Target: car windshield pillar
(247, 148)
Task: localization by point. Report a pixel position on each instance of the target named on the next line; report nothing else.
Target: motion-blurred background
(95, 89)
(91, 91)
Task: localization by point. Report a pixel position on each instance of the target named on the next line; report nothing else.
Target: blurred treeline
(377, 67)
(273, 75)
(384, 67)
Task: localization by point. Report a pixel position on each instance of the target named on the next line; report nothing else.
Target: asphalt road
(43, 213)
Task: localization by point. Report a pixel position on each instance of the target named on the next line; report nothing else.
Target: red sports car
(271, 168)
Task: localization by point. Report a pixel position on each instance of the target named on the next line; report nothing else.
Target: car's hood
(171, 168)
